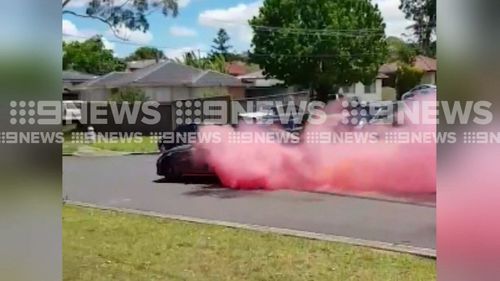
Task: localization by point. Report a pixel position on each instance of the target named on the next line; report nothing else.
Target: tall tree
(400, 51)
(221, 45)
(423, 13)
(146, 53)
(322, 44)
(215, 63)
(131, 14)
(90, 56)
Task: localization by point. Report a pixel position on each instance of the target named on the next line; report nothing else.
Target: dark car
(181, 161)
(164, 145)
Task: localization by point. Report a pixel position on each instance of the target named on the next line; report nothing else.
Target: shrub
(129, 95)
(407, 77)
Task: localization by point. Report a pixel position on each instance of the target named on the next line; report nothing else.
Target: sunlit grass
(103, 246)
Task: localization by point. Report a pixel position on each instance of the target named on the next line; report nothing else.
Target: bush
(407, 77)
(129, 95)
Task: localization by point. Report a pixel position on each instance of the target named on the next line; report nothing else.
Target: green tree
(221, 45)
(322, 44)
(91, 57)
(400, 51)
(407, 77)
(423, 13)
(127, 13)
(145, 53)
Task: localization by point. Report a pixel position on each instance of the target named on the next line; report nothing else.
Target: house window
(371, 88)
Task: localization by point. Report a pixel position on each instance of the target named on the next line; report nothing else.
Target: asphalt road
(129, 182)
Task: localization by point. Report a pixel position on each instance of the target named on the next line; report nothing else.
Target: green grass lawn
(147, 145)
(105, 246)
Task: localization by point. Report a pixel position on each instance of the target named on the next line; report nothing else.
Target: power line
(308, 31)
(319, 56)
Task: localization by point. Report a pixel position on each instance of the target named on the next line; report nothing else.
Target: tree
(221, 46)
(321, 44)
(91, 57)
(215, 63)
(407, 77)
(124, 13)
(145, 53)
(423, 13)
(400, 51)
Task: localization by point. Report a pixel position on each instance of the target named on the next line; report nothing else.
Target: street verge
(378, 245)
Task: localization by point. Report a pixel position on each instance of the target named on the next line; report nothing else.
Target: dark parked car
(183, 160)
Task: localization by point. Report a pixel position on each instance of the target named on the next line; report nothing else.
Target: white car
(424, 89)
(72, 111)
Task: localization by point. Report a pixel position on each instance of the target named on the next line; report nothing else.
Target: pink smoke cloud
(378, 167)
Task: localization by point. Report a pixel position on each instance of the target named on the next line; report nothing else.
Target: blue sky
(196, 26)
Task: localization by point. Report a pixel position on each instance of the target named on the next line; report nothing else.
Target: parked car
(373, 113)
(72, 112)
(424, 89)
(181, 161)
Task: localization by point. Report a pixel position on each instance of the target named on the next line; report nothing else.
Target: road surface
(130, 182)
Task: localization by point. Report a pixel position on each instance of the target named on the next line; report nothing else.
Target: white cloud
(394, 18)
(69, 28)
(178, 53)
(234, 20)
(107, 44)
(135, 36)
(182, 31)
(72, 33)
(183, 3)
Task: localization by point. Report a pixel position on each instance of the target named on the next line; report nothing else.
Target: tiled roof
(252, 76)
(166, 74)
(236, 69)
(425, 63)
(421, 62)
(70, 75)
(140, 64)
(101, 82)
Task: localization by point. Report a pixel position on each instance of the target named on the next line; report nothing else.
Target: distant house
(258, 84)
(164, 82)
(369, 93)
(426, 64)
(71, 79)
(236, 68)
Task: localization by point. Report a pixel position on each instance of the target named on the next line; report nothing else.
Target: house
(165, 81)
(258, 85)
(71, 79)
(426, 64)
(369, 93)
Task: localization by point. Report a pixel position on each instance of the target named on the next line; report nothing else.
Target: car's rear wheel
(173, 174)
